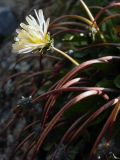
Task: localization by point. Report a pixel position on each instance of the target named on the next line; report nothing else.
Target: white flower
(33, 35)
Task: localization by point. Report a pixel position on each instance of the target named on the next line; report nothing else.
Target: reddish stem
(56, 118)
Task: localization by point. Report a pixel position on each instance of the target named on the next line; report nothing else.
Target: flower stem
(92, 20)
(66, 55)
(83, 19)
(87, 10)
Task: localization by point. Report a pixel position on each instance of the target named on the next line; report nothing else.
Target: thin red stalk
(56, 118)
(69, 24)
(24, 141)
(8, 125)
(114, 116)
(106, 8)
(72, 82)
(69, 83)
(24, 85)
(30, 125)
(81, 67)
(28, 150)
(68, 31)
(16, 75)
(19, 74)
(106, 19)
(34, 89)
(92, 117)
(84, 66)
(37, 56)
(99, 45)
(111, 119)
(100, 8)
(73, 73)
(70, 17)
(60, 27)
(74, 89)
(34, 74)
(68, 77)
(71, 128)
(105, 96)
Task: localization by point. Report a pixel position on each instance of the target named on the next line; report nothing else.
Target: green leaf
(105, 83)
(117, 81)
